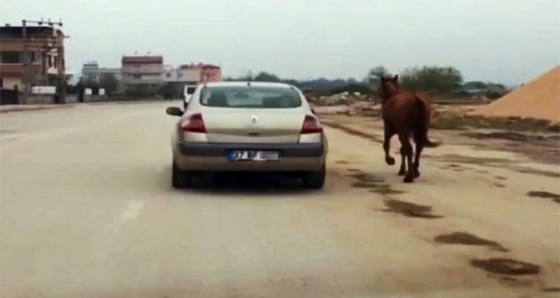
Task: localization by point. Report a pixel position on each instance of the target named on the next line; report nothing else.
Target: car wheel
(180, 179)
(315, 179)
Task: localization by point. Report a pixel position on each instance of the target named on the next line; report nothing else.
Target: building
(176, 79)
(142, 74)
(92, 71)
(192, 73)
(31, 57)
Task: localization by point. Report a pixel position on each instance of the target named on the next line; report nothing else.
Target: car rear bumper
(221, 149)
(214, 157)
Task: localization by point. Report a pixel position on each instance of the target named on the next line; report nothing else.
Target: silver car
(248, 126)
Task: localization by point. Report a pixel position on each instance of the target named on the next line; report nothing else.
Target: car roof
(247, 83)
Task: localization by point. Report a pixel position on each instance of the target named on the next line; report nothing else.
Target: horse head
(389, 87)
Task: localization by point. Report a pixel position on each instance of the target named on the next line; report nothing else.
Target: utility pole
(27, 60)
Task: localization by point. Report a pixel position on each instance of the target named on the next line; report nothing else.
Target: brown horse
(406, 114)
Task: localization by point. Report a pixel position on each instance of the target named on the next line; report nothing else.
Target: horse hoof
(402, 172)
(390, 161)
(408, 179)
(417, 174)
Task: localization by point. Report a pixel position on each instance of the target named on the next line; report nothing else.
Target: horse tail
(424, 121)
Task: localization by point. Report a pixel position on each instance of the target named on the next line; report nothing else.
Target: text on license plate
(253, 155)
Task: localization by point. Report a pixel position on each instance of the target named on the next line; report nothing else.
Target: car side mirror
(174, 111)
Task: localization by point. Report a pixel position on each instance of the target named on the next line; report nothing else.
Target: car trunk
(240, 125)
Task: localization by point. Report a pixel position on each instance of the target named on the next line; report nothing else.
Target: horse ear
(396, 78)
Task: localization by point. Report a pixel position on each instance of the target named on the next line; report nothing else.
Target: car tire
(180, 179)
(315, 179)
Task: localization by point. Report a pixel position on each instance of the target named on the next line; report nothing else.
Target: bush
(493, 94)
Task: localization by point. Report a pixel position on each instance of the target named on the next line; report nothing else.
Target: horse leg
(420, 141)
(407, 151)
(388, 134)
(402, 170)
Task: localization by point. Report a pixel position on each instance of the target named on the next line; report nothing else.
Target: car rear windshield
(250, 97)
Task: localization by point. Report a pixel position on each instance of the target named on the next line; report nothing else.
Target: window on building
(137, 76)
(137, 65)
(10, 57)
(56, 61)
(168, 75)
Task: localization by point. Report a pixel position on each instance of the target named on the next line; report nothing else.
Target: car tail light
(311, 125)
(194, 123)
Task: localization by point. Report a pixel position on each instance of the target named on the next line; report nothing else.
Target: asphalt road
(87, 210)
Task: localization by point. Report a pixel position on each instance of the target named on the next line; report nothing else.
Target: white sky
(508, 41)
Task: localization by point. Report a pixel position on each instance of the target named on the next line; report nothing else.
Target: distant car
(248, 126)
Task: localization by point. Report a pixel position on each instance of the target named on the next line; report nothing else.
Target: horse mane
(389, 90)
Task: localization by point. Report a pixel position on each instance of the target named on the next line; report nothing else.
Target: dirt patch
(538, 172)
(511, 136)
(353, 170)
(551, 290)
(342, 162)
(544, 195)
(410, 209)
(497, 184)
(447, 120)
(500, 178)
(352, 131)
(468, 239)
(506, 266)
(453, 158)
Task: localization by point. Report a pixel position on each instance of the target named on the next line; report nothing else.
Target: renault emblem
(254, 119)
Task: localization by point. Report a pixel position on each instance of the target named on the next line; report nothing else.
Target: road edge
(26, 108)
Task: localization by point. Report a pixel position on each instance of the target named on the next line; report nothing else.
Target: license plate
(253, 155)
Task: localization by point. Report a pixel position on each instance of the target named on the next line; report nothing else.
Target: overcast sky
(508, 41)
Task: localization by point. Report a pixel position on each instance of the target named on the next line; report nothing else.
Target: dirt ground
(538, 140)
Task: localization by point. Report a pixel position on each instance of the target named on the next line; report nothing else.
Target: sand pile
(538, 99)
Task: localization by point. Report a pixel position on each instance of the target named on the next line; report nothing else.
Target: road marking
(132, 210)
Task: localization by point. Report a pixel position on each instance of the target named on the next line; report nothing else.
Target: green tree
(109, 82)
(432, 79)
(89, 83)
(264, 76)
(376, 73)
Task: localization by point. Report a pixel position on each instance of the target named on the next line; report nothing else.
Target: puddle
(506, 266)
(410, 209)
(544, 195)
(468, 239)
(362, 184)
(375, 184)
(365, 177)
(385, 189)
